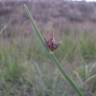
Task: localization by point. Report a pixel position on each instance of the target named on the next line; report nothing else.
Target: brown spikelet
(51, 42)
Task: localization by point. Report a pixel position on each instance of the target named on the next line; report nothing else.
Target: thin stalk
(40, 76)
(3, 29)
(90, 78)
(51, 55)
(55, 79)
(34, 27)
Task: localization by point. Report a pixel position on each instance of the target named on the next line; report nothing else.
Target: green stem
(51, 55)
(65, 76)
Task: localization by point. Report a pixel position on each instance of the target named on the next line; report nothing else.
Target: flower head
(51, 42)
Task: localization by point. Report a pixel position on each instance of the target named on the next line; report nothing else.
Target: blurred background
(25, 69)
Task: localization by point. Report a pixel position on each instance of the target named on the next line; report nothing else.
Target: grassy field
(26, 70)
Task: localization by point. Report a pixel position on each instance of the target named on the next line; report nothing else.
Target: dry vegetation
(25, 70)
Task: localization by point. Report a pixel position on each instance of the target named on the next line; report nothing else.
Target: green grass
(26, 68)
(25, 64)
(51, 55)
(88, 48)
